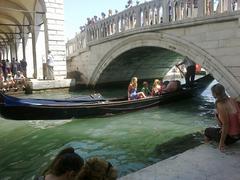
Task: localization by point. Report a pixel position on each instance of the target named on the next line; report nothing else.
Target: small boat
(47, 109)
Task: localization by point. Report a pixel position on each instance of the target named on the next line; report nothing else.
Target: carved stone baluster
(165, 11)
(127, 21)
(177, 10)
(93, 33)
(173, 11)
(229, 5)
(225, 5)
(138, 17)
(158, 15)
(122, 23)
(90, 33)
(109, 27)
(87, 30)
(184, 9)
(153, 15)
(104, 30)
(192, 8)
(219, 7)
(148, 15)
(143, 17)
(98, 32)
(211, 7)
(116, 21)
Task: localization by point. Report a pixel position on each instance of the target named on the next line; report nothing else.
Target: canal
(129, 141)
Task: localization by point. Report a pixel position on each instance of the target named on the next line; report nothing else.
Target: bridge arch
(173, 43)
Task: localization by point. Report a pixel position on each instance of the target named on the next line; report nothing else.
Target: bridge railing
(77, 43)
(149, 14)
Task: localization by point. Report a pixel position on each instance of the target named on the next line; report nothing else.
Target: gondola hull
(25, 110)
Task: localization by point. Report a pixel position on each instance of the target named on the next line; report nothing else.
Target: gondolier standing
(50, 63)
(191, 70)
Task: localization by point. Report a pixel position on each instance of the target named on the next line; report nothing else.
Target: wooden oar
(182, 73)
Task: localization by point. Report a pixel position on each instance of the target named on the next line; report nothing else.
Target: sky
(77, 11)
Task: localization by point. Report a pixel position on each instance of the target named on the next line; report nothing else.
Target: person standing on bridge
(228, 118)
(191, 70)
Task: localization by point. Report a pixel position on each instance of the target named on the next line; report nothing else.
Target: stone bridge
(146, 40)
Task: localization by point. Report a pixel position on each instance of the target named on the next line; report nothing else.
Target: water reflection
(129, 141)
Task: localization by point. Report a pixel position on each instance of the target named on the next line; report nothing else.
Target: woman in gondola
(132, 90)
(157, 87)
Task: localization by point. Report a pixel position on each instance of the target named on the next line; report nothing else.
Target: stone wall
(56, 40)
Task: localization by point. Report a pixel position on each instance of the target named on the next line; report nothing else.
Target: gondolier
(191, 70)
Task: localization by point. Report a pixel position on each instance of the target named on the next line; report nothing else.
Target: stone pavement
(204, 162)
(51, 84)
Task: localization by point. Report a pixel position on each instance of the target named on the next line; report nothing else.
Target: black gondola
(43, 109)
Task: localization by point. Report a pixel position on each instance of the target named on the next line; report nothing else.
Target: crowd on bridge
(177, 10)
(12, 75)
(95, 18)
(211, 7)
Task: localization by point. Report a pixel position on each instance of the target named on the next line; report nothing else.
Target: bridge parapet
(76, 44)
(145, 15)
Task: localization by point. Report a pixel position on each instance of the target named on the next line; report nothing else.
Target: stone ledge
(201, 163)
(51, 84)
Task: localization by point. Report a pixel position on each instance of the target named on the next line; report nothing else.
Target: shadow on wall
(80, 79)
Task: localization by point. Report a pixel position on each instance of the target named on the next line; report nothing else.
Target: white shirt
(50, 60)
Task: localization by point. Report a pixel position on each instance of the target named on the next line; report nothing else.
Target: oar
(182, 73)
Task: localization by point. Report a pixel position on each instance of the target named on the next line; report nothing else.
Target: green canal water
(129, 141)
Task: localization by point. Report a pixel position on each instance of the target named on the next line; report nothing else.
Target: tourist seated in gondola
(132, 90)
(172, 86)
(96, 168)
(157, 87)
(66, 166)
(145, 89)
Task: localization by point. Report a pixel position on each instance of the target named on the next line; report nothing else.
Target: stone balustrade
(148, 14)
(77, 43)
